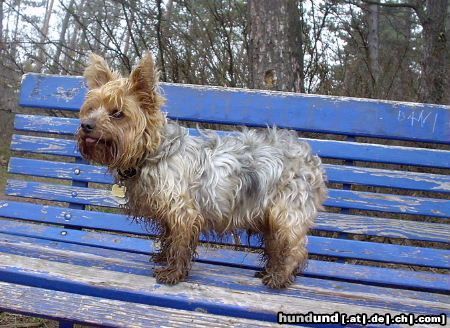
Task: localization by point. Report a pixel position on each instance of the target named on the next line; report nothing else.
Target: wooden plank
(325, 148)
(52, 91)
(380, 153)
(337, 198)
(240, 278)
(388, 178)
(387, 119)
(335, 173)
(63, 193)
(70, 217)
(225, 259)
(388, 203)
(48, 124)
(88, 310)
(206, 275)
(333, 222)
(214, 289)
(140, 289)
(375, 226)
(60, 170)
(134, 263)
(328, 247)
(41, 145)
(317, 245)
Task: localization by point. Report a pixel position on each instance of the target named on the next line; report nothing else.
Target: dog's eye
(117, 114)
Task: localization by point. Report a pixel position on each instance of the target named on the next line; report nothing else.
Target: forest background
(386, 49)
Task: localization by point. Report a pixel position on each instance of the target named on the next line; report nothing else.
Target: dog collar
(127, 174)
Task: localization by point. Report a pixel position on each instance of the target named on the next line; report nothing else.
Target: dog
(263, 181)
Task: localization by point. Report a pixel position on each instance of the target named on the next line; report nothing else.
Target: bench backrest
(363, 199)
(339, 115)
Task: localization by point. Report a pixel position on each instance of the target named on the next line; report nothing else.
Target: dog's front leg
(161, 256)
(178, 245)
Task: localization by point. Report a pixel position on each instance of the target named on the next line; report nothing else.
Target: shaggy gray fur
(233, 179)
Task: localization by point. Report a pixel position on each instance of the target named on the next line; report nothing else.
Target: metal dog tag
(118, 191)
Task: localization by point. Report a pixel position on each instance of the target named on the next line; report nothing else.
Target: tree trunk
(16, 30)
(374, 46)
(275, 45)
(1, 26)
(159, 36)
(435, 62)
(76, 39)
(98, 30)
(62, 37)
(44, 35)
(169, 9)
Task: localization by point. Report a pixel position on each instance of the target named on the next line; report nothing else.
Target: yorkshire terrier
(263, 181)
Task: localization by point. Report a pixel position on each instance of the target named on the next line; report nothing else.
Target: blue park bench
(66, 252)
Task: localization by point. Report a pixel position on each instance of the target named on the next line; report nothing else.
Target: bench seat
(381, 247)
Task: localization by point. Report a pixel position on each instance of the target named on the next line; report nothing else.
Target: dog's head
(120, 120)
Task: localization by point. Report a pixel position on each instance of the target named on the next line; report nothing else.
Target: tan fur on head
(143, 83)
(126, 113)
(98, 72)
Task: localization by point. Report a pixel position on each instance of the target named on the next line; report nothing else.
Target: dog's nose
(88, 126)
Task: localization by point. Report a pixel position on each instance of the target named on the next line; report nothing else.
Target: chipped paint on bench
(328, 114)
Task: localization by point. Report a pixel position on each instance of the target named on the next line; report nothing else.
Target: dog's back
(243, 173)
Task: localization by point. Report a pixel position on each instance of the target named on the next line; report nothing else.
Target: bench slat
(135, 263)
(388, 203)
(62, 193)
(60, 170)
(375, 226)
(333, 222)
(335, 173)
(325, 148)
(353, 116)
(317, 245)
(41, 145)
(220, 276)
(47, 124)
(388, 178)
(106, 312)
(227, 300)
(418, 280)
(380, 153)
(336, 198)
(143, 289)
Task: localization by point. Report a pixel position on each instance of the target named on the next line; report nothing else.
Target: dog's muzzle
(88, 126)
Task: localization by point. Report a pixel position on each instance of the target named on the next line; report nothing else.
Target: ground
(8, 320)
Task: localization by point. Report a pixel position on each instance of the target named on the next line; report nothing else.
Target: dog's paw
(277, 280)
(169, 275)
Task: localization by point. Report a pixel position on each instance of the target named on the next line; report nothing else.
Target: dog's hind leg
(285, 244)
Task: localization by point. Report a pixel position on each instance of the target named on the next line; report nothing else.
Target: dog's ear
(143, 84)
(144, 78)
(98, 73)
